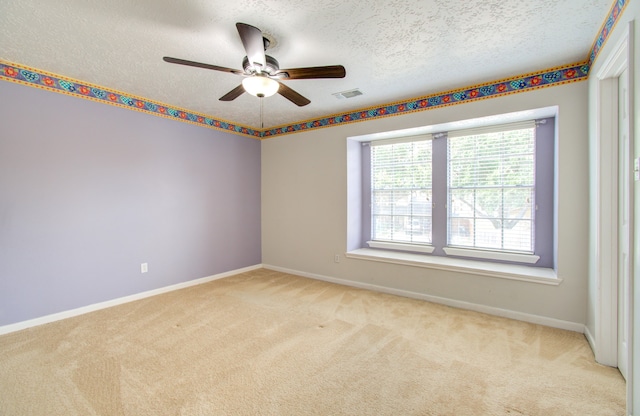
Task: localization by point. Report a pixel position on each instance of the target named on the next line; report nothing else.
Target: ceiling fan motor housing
(271, 68)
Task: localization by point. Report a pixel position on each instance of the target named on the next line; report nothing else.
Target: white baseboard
(490, 310)
(590, 338)
(119, 301)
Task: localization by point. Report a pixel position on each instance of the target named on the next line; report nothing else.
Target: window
(483, 193)
(401, 191)
(491, 189)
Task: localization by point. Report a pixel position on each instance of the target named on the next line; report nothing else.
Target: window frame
(544, 253)
(409, 243)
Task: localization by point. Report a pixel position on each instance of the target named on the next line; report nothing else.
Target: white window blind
(401, 195)
(491, 188)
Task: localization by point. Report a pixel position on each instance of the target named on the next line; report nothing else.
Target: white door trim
(605, 338)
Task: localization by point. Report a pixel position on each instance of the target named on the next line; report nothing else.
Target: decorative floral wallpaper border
(607, 27)
(40, 79)
(551, 77)
(529, 82)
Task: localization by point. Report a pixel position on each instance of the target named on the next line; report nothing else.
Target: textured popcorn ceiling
(392, 50)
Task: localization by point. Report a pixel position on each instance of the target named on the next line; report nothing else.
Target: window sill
(400, 246)
(504, 271)
(491, 255)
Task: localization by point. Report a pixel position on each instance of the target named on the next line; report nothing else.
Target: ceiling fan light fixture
(260, 86)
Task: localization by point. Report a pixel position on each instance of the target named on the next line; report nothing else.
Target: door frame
(625, 202)
(605, 338)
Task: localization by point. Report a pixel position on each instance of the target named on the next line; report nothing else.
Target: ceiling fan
(262, 72)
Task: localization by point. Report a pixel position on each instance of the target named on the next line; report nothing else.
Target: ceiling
(392, 50)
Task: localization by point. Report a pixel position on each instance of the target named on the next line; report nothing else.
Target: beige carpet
(268, 343)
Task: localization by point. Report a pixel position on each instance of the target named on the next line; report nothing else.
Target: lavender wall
(88, 192)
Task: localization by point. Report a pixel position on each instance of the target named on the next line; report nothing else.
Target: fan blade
(233, 94)
(201, 65)
(332, 71)
(292, 96)
(253, 44)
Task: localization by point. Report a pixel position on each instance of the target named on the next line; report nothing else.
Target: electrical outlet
(144, 267)
(336, 258)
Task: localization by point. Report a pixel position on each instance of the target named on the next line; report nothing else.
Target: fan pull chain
(261, 112)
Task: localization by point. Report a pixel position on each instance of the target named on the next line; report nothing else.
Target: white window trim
(523, 273)
(498, 119)
(401, 139)
(420, 248)
(495, 128)
(491, 255)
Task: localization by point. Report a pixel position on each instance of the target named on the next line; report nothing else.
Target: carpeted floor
(268, 343)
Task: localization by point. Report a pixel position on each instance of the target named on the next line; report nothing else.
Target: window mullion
(439, 194)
